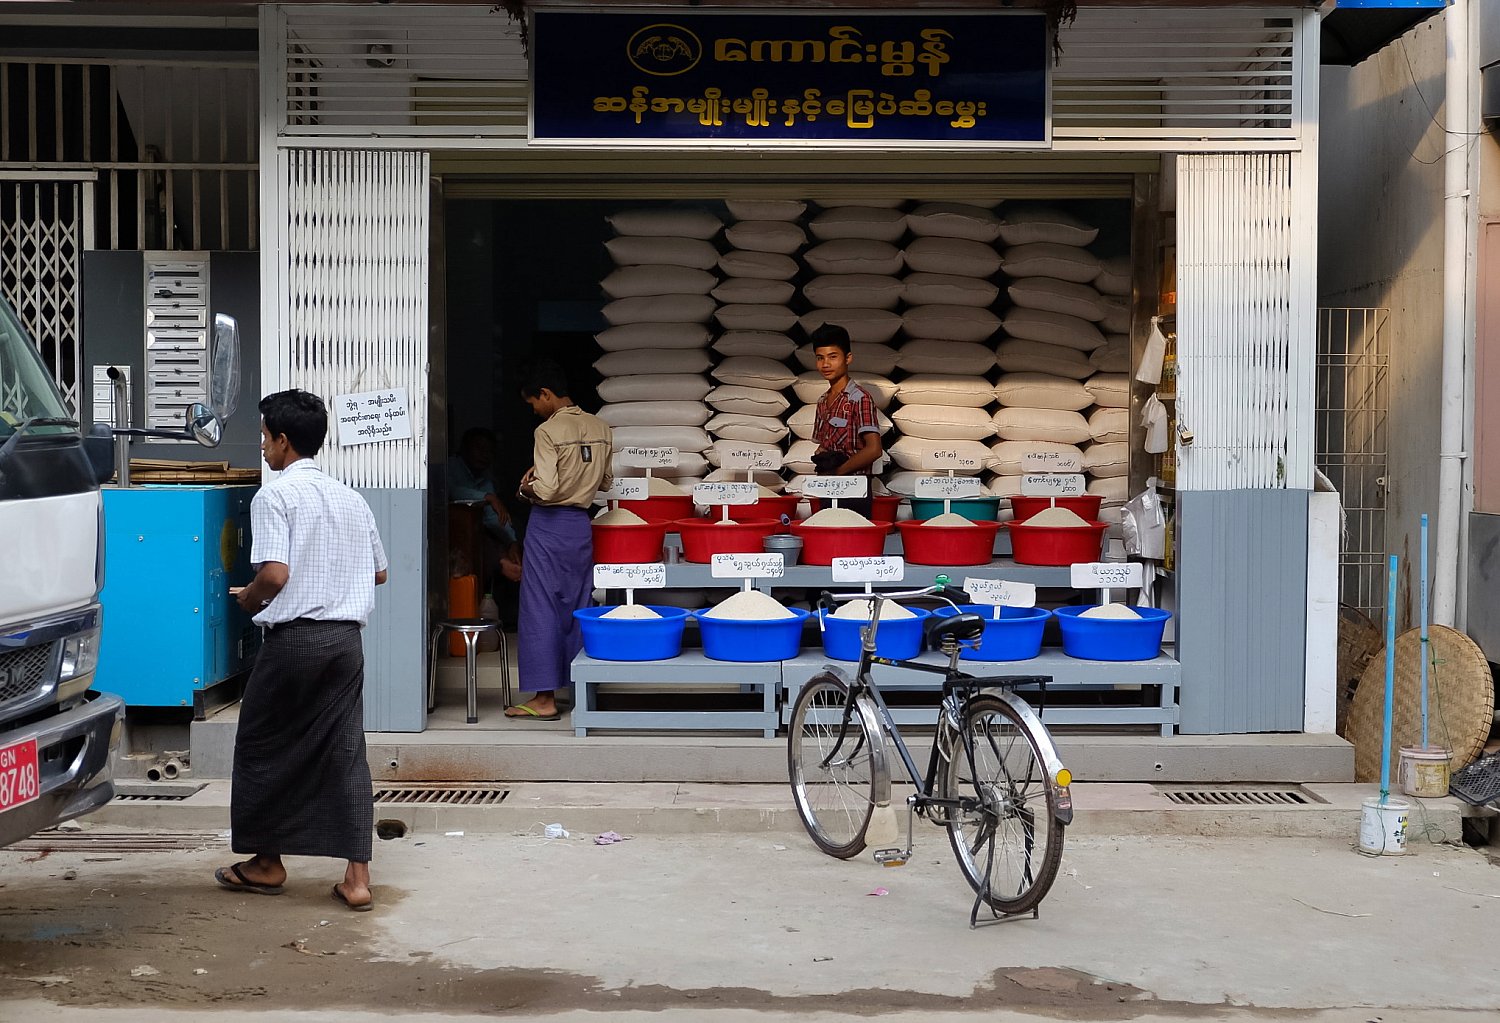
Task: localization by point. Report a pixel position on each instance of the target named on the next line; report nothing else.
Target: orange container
(463, 602)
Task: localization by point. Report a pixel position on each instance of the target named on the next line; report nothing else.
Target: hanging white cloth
(1149, 371)
(1154, 422)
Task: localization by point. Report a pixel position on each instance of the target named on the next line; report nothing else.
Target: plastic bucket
(729, 639)
(632, 639)
(765, 508)
(1382, 827)
(975, 509)
(821, 544)
(788, 545)
(1084, 505)
(628, 544)
(897, 638)
(1055, 545)
(703, 538)
(1423, 771)
(1015, 636)
(1111, 639)
(662, 508)
(948, 545)
(882, 507)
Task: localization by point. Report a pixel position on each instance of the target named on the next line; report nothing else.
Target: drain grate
(155, 792)
(443, 794)
(1239, 797)
(94, 841)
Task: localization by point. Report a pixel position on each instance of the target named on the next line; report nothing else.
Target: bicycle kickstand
(899, 857)
(982, 899)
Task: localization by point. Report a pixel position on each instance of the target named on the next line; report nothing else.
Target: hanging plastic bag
(1149, 371)
(1145, 525)
(1154, 422)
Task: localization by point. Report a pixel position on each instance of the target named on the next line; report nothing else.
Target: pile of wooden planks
(163, 470)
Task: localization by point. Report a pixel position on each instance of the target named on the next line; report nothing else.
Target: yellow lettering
(730, 50)
(846, 48)
(897, 60)
(793, 51)
(934, 50)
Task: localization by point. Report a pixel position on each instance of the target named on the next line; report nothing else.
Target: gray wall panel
(1484, 583)
(396, 636)
(1242, 617)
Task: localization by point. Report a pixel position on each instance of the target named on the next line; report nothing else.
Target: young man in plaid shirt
(845, 426)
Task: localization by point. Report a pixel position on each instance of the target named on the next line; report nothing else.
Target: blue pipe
(1390, 684)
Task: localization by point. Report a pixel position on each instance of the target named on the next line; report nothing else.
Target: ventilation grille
(1240, 797)
(120, 841)
(440, 794)
(23, 672)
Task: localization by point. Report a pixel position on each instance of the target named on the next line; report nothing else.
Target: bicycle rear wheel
(1005, 833)
(830, 767)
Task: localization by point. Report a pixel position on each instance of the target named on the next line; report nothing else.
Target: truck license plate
(20, 780)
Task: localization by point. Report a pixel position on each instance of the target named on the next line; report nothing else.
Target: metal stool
(470, 629)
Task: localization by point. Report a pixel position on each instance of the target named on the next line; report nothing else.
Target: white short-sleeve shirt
(325, 534)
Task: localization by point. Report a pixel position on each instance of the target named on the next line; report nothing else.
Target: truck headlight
(80, 656)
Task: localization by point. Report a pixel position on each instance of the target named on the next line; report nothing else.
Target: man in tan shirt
(571, 454)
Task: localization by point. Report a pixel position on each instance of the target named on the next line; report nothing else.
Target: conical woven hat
(1461, 701)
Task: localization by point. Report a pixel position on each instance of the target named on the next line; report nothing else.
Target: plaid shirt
(842, 417)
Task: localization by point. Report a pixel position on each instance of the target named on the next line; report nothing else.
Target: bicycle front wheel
(831, 767)
(1004, 829)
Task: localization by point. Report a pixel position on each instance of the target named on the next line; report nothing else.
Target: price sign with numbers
(725, 493)
(632, 489)
(1048, 484)
(750, 458)
(869, 570)
(1001, 592)
(748, 566)
(836, 486)
(647, 576)
(1051, 461)
(649, 458)
(950, 458)
(1107, 575)
(949, 487)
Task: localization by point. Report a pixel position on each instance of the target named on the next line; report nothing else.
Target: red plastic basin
(663, 508)
(765, 508)
(630, 544)
(1085, 506)
(883, 507)
(948, 545)
(703, 538)
(821, 544)
(1055, 545)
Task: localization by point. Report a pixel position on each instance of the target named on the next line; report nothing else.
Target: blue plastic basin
(1111, 639)
(897, 638)
(727, 639)
(632, 639)
(1015, 636)
(975, 509)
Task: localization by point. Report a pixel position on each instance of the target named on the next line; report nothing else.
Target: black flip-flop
(362, 908)
(240, 883)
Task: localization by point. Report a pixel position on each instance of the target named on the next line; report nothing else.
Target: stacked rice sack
(948, 355)
(1064, 363)
(656, 347)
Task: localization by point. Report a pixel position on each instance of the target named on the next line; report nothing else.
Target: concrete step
(1332, 811)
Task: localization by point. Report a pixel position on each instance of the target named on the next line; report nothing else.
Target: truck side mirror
(224, 369)
(204, 425)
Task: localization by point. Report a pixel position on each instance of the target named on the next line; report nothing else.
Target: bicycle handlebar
(941, 587)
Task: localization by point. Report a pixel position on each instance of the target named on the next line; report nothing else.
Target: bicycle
(994, 778)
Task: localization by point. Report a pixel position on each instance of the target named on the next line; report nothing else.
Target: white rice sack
(630, 612)
(1114, 357)
(754, 371)
(690, 465)
(952, 256)
(854, 256)
(799, 457)
(950, 323)
(853, 291)
(865, 326)
(769, 266)
(1053, 328)
(1003, 487)
(884, 204)
(1026, 224)
(771, 484)
(867, 358)
(652, 360)
(949, 289)
(954, 220)
(1054, 296)
(655, 413)
(1114, 276)
(660, 309)
(683, 438)
(913, 453)
(1046, 259)
(666, 223)
(776, 318)
(767, 344)
(943, 422)
(641, 251)
(654, 387)
(721, 447)
(811, 386)
(1017, 356)
(1054, 426)
(639, 281)
(1117, 612)
(755, 429)
(618, 517)
(1110, 425)
(653, 335)
(781, 237)
(945, 389)
(868, 222)
(737, 399)
(1114, 489)
(754, 291)
(749, 606)
(949, 357)
(864, 610)
(1110, 390)
(1116, 318)
(1015, 457)
(1038, 390)
(1103, 461)
(766, 209)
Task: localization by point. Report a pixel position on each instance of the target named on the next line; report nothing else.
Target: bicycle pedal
(890, 857)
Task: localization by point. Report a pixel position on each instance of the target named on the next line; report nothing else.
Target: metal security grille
(1238, 797)
(1156, 78)
(349, 275)
(441, 794)
(1244, 366)
(120, 841)
(43, 226)
(23, 672)
(1353, 411)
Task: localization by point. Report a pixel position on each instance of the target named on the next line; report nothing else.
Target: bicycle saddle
(961, 628)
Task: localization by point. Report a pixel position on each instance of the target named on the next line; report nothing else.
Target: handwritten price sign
(750, 458)
(1051, 461)
(649, 458)
(1000, 592)
(869, 570)
(949, 458)
(948, 487)
(748, 566)
(725, 493)
(626, 490)
(1043, 484)
(1107, 575)
(649, 576)
(836, 486)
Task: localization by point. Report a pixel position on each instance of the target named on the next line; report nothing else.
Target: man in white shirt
(301, 784)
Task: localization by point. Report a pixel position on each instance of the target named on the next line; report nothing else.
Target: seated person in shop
(846, 426)
(469, 479)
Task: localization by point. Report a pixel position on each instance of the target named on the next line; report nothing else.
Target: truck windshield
(26, 388)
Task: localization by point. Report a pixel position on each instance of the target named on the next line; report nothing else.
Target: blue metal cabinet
(170, 627)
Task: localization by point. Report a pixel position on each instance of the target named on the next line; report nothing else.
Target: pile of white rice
(749, 606)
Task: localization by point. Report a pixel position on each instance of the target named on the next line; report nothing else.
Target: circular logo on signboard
(664, 50)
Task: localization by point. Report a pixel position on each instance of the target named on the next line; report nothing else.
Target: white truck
(57, 738)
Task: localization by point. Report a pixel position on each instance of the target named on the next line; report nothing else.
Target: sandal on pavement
(528, 711)
(363, 907)
(240, 883)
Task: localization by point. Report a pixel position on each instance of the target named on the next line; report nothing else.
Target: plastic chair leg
(437, 637)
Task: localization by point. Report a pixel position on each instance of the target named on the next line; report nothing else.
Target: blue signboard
(670, 76)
